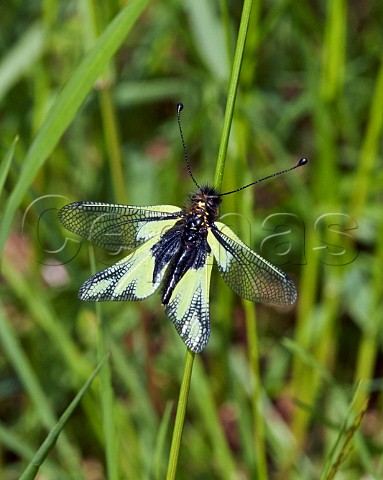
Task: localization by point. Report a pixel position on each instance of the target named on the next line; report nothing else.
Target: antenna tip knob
(302, 161)
(180, 106)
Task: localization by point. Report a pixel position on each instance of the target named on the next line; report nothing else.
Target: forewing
(247, 273)
(129, 279)
(115, 227)
(188, 307)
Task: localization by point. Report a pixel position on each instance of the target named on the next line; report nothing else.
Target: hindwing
(247, 273)
(188, 306)
(132, 278)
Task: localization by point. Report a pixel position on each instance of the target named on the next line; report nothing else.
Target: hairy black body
(185, 245)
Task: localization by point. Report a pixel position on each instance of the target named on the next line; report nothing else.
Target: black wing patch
(247, 273)
(113, 226)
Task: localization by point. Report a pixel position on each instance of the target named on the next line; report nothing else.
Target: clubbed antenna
(179, 108)
(302, 161)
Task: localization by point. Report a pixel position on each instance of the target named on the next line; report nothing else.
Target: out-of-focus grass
(310, 86)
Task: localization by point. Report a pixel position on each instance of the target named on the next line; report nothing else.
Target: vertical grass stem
(233, 86)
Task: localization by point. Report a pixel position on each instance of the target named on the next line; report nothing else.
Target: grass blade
(31, 471)
(21, 57)
(232, 93)
(233, 86)
(31, 383)
(5, 166)
(67, 104)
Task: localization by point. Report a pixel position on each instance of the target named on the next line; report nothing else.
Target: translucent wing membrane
(188, 307)
(129, 279)
(247, 273)
(113, 226)
(161, 244)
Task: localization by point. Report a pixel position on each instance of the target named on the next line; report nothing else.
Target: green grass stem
(256, 397)
(180, 416)
(368, 347)
(112, 140)
(369, 149)
(106, 394)
(105, 85)
(232, 91)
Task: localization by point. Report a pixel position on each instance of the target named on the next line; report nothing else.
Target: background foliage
(311, 85)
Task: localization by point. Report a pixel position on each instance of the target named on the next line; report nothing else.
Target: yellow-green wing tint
(188, 307)
(116, 227)
(247, 273)
(129, 279)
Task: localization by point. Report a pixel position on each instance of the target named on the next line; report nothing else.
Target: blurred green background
(95, 115)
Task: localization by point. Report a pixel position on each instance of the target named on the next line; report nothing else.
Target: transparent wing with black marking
(116, 227)
(129, 279)
(247, 273)
(188, 307)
